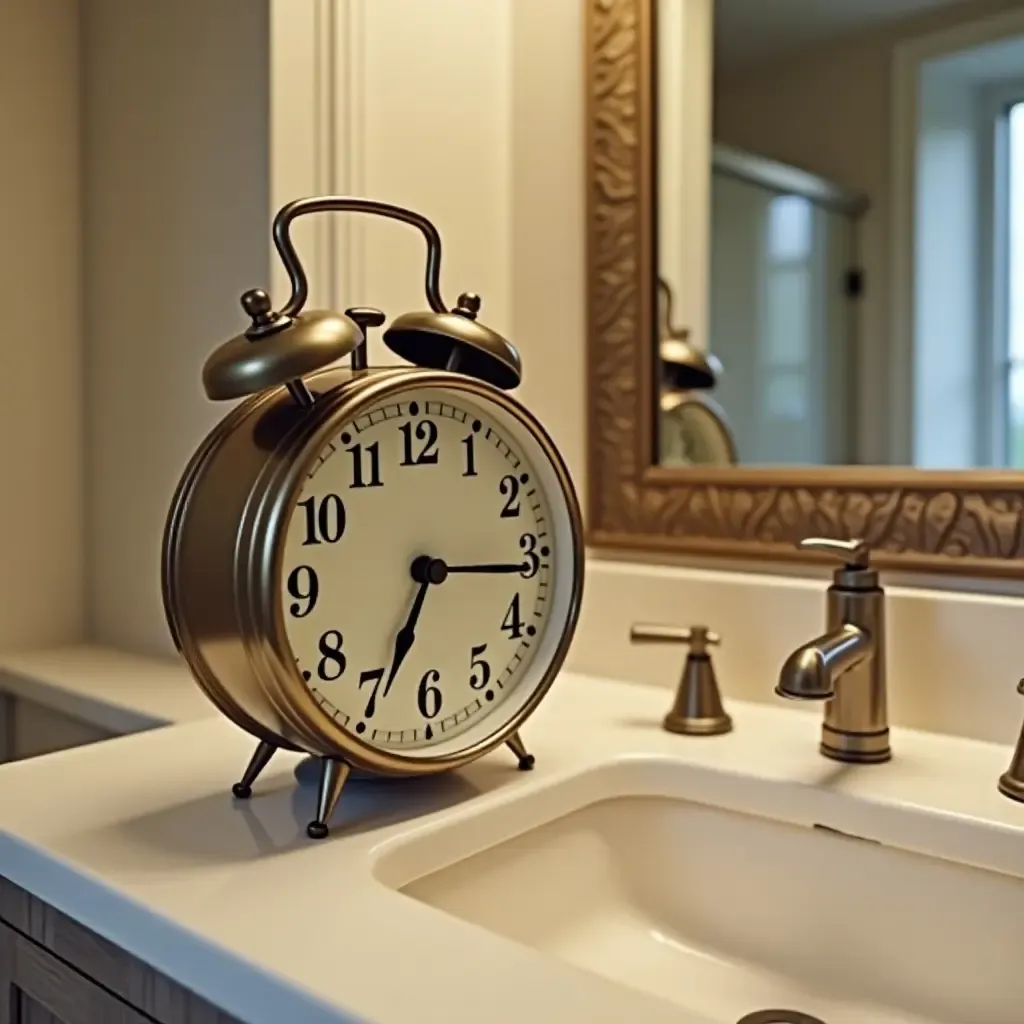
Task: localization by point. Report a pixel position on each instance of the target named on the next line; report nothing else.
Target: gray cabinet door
(37, 988)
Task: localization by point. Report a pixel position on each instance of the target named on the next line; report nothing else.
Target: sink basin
(724, 913)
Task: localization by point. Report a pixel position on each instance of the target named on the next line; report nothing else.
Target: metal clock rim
(183, 639)
(261, 615)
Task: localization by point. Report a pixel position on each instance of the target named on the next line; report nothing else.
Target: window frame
(994, 369)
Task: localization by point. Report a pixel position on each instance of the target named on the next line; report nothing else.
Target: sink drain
(779, 1017)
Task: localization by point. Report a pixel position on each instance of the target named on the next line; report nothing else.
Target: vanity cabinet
(54, 971)
(28, 729)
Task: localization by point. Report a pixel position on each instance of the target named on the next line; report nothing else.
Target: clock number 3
(528, 542)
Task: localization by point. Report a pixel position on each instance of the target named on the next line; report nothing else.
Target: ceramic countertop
(232, 901)
(114, 691)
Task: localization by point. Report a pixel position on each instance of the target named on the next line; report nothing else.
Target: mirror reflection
(864, 217)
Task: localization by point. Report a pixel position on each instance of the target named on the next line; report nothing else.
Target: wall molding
(301, 116)
(348, 129)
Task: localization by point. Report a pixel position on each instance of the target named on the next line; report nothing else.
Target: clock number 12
(426, 432)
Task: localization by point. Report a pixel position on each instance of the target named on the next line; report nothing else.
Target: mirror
(865, 217)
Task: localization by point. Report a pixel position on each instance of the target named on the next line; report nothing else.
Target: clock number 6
(428, 696)
(476, 661)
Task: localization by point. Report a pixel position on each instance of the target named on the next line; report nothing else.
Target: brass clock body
(230, 566)
(223, 555)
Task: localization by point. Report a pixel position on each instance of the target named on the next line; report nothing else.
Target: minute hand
(490, 567)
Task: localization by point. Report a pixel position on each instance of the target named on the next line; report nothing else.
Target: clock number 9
(428, 696)
(303, 586)
(326, 523)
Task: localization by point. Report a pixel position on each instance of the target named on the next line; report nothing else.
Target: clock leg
(264, 752)
(515, 744)
(333, 774)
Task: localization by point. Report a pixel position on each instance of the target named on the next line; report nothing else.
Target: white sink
(724, 914)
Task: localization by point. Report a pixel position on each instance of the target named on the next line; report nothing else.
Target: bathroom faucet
(846, 666)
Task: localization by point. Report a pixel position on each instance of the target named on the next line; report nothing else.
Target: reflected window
(790, 229)
(1013, 379)
(786, 324)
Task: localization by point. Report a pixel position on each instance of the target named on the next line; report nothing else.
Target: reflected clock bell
(683, 367)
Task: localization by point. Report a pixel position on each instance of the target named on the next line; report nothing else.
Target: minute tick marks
(431, 676)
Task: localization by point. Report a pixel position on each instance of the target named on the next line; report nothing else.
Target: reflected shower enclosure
(782, 319)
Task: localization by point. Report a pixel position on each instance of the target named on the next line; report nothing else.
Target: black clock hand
(405, 636)
(425, 570)
(489, 567)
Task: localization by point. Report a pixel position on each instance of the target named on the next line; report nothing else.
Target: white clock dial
(408, 656)
(694, 433)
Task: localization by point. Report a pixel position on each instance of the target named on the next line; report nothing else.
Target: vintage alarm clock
(379, 567)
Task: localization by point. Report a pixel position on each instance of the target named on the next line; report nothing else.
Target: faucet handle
(697, 709)
(854, 554)
(700, 638)
(1011, 782)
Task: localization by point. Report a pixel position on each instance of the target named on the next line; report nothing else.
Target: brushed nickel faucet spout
(845, 667)
(811, 671)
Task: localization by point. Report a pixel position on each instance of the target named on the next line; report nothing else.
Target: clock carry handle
(347, 204)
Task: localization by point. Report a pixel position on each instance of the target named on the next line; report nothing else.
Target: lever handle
(856, 554)
(698, 637)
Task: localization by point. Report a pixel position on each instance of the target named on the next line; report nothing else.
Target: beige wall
(439, 107)
(175, 208)
(829, 112)
(41, 447)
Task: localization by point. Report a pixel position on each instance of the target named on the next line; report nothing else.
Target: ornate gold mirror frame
(969, 522)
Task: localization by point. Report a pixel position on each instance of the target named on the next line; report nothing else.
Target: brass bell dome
(687, 368)
(456, 341)
(683, 367)
(277, 349)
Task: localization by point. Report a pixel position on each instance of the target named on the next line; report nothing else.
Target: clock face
(693, 434)
(420, 570)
